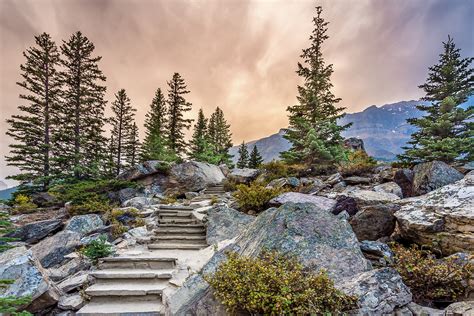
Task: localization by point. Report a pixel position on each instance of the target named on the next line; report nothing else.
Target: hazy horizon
(239, 55)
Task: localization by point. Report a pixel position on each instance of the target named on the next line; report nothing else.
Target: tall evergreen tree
(313, 130)
(132, 147)
(446, 133)
(220, 136)
(243, 161)
(122, 129)
(177, 106)
(155, 143)
(82, 147)
(33, 129)
(200, 137)
(255, 159)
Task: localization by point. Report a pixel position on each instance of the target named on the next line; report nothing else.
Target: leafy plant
(431, 279)
(356, 163)
(255, 196)
(97, 248)
(273, 284)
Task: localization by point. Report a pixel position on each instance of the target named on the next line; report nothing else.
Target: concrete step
(176, 207)
(122, 306)
(137, 263)
(176, 246)
(180, 239)
(127, 288)
(132, 274)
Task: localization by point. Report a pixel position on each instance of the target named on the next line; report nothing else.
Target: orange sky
(240, 55)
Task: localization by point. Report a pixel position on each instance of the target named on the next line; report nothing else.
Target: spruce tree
(82, 145)
(219, 135)
(313, 131)
(122, 130)
(177, 107)
(132, 147)
(200, 137)
(243, 161)
(33, 129)
(154, 146)
(446, 133)
(255, 159)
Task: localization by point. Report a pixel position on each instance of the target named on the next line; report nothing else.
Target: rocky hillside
(383, 128)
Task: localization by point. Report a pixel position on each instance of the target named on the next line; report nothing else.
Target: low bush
(123, 219)
(275, 169)
(22, 204)
(273, 284)
(431, 279)
(356, 163)
(229, 185)
(94, 205)
(169, 199)
(97, 248)
(255, 196)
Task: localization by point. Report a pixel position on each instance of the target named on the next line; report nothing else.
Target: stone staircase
(209, 193)
(178, 229)
(128, 286)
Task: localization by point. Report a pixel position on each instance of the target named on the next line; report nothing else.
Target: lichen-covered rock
(404, 179)
(245, 175)
(51, 251)
(78, 263)
(367, 197)
(377, 252)
(224, 222)
(429, 176)
(357, 180)
(193, 176)
(71, 302)
(460, 309)
(374, 221)
(389, 187)
(140, 202)
(335, 179)
(295, 197)
(34, 232)
(74, 282)
(20, 265)
(145, 169)
(290, 182)
(444, 216)
(84, 224)
(380, 291)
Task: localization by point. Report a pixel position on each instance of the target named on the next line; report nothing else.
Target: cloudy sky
(237, 54)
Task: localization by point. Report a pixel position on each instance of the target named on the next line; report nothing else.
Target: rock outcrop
(51, 251)
(294, 197)
(432, 175)
(389, 187)
(245, 175)
(84, 224)
(444, 216)
(36, 231)
(404, 179)
(223, 222)
(374, 221)
(29, 279)
(193, 176)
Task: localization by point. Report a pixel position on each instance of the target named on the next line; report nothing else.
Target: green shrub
(356, 163)
(95, 205)
(229, 185)
(10, 304)
(275, 169)
(112, 217)
(431, 279)
(273, 284)
(255, 196)
(97, 248)
(22, 204)
(169, 199)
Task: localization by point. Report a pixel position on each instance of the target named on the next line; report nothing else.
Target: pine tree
(155, 143)
(313, 131)
(256, 159)
(122, 129)
(177, 106)
(219, 135)
(200, 138)
(446, 133)
(82, 146)
(33, 129)
(132, 146)
(243, 161)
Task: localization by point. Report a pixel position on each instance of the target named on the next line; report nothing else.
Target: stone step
(180, 239)
(176, 246)
(132, 274)
(199, 225)
(179, 231)
(178, 221)
(137, 263)
(173, 213)
(126, 288)
(122, 306)
(176, 207)
(175, 216)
